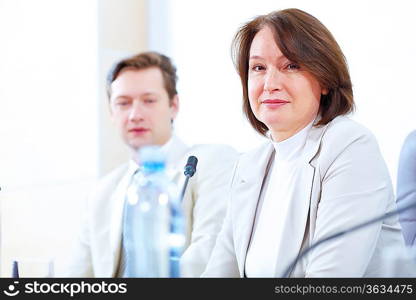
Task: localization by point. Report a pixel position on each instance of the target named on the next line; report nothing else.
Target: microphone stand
(341, 233)
(15, 270)
(184, 187)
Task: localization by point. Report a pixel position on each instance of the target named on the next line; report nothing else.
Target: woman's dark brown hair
(304, 40)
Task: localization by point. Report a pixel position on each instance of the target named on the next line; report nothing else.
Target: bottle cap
(152, 159)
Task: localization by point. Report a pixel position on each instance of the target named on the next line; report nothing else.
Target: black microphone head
(190, 167)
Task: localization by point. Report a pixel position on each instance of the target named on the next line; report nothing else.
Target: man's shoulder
(109, 182)
(213, 152)
(213, 158)
(212, 149)
(410, 142)
(115, 174)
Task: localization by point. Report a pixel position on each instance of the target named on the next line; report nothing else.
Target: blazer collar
(249, 186)
(253, 167)
(313, 142)
(261, 155)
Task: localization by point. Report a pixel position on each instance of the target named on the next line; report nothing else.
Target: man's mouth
(139, 130)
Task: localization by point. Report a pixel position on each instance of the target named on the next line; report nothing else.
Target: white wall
(377, 37)
(48, 66)
(57, 138)
(122, 32)
(48, 123)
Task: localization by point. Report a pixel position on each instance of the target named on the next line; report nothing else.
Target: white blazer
(97, 251)
(344, 182)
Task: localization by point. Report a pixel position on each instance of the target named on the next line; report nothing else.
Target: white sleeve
(210, 193)
(356, 187)
(223, 261)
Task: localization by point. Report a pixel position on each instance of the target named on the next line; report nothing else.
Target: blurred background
(56, 136)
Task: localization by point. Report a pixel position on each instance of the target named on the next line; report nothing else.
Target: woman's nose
(273, 80)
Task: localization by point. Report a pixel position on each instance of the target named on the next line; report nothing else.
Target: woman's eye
(293, 66)
(257, 68)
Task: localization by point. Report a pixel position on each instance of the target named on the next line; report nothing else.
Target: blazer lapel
(296, 221)
(296, 225)
(246, 191)
(117, 201)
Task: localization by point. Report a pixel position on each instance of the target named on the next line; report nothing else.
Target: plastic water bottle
(156, 231)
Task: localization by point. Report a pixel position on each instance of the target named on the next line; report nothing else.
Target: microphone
(343, 232)
(190, 169)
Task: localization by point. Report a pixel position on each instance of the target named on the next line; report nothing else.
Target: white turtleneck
(273, 205)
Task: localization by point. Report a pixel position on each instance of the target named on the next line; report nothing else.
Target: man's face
(140, 107)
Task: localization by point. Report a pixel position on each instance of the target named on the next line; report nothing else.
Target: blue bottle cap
(152, 159)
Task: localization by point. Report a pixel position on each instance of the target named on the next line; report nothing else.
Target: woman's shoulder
(345, 126)
(343, 134)
(343, 131)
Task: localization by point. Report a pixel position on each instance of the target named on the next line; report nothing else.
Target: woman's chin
(276, 124)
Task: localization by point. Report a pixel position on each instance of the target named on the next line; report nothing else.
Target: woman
(319, 174)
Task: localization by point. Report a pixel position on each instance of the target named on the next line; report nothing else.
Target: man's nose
(136, 111)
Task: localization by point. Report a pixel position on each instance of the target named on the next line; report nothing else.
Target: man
(143, 103)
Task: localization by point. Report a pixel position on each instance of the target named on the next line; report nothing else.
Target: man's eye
(149, 100)
(121, 103)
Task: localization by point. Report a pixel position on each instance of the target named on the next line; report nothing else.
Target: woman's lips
(274, 103)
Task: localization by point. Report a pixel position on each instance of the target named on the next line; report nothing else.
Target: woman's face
(282, 95)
